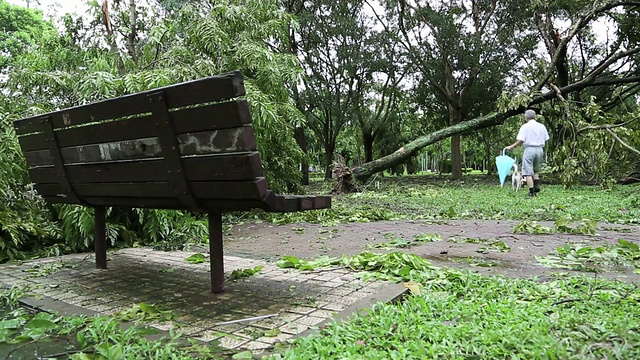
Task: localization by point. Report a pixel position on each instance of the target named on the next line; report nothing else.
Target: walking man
(533, 135)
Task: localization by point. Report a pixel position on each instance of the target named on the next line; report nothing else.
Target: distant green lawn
(477, 197)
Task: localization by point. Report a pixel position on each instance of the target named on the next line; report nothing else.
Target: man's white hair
(529, 114)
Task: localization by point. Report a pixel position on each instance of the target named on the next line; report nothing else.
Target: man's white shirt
(533, 133)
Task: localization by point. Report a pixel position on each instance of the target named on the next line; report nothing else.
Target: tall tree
(21, 30)
(454, 43)
(613, 65)
(331, 49)
(213, 37)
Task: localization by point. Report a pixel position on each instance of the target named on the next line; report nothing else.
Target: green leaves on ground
(594, 258)
(584, 226)
(531, 227)
(398, 242)
(144, 312)
(196, 258)
(395, 266)
(564, 225)
(48, 268)
(307, 265)
(489, 244)
(244, 273)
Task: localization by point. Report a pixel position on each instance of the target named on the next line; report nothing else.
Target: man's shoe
(536, 185)
(532, 192)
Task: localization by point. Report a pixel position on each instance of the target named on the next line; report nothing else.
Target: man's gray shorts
(531, 160)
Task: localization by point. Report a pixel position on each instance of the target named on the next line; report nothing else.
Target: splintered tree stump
(346, 183)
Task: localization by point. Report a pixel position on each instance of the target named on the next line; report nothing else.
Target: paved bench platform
(302, 300)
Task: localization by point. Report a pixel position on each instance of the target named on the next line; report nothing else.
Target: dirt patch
(270, 242)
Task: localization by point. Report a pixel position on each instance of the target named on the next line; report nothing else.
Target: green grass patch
(460, 315)
(432, 198)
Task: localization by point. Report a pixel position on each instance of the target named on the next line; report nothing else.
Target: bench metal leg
(100, 241)
(215, 252)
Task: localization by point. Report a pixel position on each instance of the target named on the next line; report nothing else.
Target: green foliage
(144, 312)
(293, 262)
(48, 268)
(478, 197)
(78, 225)
(564, 224)
(489, 244)
(190, 44)
(464, 315)
(21, 28)
(196, 259)
(394, 266)
(339, 212)
(24, 223)
(170, 230)
(584, 226)
(244, 273)
(531, 227)
(97, 337)
(397, 242)
(581, 150)
(594, 258)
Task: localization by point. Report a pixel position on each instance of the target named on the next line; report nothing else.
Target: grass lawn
(459, 315)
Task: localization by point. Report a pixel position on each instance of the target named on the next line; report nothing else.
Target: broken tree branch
(621, 142)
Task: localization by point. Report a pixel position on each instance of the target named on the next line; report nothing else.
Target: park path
(304, 240)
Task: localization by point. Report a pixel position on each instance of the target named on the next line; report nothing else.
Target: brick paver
(301, 300)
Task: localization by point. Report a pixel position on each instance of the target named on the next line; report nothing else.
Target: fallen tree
(364, 171)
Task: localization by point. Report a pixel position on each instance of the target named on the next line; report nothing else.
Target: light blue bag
(504, 164)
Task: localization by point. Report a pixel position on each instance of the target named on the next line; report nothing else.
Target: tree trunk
(328, 157)
(131, 38)
(111, 40)
(302, 143)
(329, 150)
(455, 117)
(367, 141)
(487, 155)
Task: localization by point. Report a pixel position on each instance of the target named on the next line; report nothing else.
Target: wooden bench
(189, 146)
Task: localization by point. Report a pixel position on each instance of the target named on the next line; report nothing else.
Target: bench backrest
(186, 146)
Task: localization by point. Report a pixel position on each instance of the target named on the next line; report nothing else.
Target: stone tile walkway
(301, 300)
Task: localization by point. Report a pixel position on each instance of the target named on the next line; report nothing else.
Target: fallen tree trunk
(364, 171)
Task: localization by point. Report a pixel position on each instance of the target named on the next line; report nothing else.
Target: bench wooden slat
(293, 203)
(213, 89)
(239, 167)
(241, 139)
(206, 118)
(252, 190)
(165, 203)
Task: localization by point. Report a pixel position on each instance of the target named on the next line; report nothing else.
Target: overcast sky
(50, 7)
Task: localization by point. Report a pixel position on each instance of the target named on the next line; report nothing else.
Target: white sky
(53, 7)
